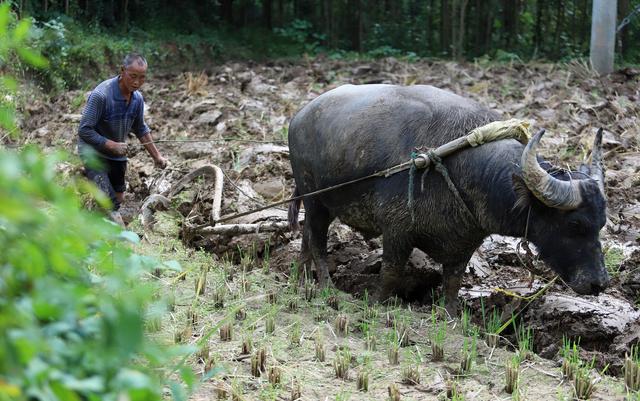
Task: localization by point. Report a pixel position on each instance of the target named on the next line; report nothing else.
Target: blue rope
(410, 197)
(436, 161)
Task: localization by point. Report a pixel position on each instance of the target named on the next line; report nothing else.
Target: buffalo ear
(524, 197)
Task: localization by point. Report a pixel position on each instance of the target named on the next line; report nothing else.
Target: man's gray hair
(131, 58)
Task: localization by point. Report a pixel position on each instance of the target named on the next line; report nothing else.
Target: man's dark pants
(108, 175)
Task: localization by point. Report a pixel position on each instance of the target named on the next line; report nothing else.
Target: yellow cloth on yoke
(494, 131)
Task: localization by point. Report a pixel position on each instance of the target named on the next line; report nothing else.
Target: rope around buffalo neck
(528, 261)
(436, 161)
(412, 174)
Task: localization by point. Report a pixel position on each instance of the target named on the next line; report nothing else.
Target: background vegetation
(82, 37)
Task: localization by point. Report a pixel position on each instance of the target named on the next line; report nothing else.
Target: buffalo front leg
(395, 253)
(451, 282)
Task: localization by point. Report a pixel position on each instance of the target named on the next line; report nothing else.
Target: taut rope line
(510, 129)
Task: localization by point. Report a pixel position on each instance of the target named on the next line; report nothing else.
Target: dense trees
(447, 28)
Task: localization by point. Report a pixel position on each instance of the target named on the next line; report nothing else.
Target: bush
(71, 303)
(301, 33)
(84, 54)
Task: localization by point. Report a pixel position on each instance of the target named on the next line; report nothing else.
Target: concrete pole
(603, 35)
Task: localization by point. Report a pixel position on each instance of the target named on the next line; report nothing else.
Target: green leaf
(91, 384)
(187, 376)
(89, 188)
(177, 391)
(130, 379)
(172, 265)
(9, 391)
(21, 31)
(5, 15)
(213, 372)
(7, 118)
(32, 57)
(9, 84)
(46, 311)
(64, 393)
(25, 346)
(129, 236)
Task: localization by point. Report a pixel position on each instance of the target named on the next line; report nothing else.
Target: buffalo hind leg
(395, 253)
(319, 220)
(305, 260)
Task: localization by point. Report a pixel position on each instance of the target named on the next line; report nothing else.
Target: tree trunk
(266, 12)
(125, 8)
(488, 32)
(388, 4)
(328, 22)
(296, 9)
(537, 35)
(603, 36)
(586, 21)
(46, 5)
(356, 28)
(623, 35)
(559, 25)
(479, 26)
(459, 26)
(280, 11)
(510, 22)
(226, 11)
(428, 29)
(454, 27)
(66, 7)
(244, 13)
(445, 26)
(308, 11)
(575, 32)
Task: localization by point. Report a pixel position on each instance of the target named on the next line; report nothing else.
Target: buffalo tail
(294, 210)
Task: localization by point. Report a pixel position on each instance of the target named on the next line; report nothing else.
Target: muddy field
(236, 115)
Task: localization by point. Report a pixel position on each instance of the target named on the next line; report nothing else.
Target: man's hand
(161, 162)
(116, 148)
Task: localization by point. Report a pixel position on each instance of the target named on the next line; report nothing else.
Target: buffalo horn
(548, 189)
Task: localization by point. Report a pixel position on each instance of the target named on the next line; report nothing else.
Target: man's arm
(87, 131)
(143, 132)
(147, 141)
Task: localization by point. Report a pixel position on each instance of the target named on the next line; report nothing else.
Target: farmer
(114, 109)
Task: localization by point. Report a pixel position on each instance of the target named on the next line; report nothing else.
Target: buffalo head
(567, 211)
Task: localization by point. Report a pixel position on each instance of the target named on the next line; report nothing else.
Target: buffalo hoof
(325, 282)
(305, 275)
(382, 294)
(452, 307)
(392, 284)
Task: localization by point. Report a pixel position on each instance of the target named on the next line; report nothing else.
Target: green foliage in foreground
(71, 300)
(72, 295)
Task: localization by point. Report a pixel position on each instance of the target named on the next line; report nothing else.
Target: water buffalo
(355, 130)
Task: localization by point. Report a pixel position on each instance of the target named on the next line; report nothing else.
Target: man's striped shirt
(108, 116)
